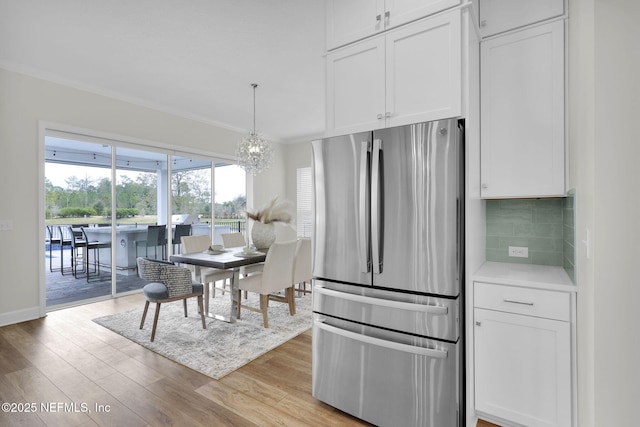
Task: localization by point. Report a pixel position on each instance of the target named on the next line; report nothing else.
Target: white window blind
(304, 202)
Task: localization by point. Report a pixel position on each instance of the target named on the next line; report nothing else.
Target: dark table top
(224, 260)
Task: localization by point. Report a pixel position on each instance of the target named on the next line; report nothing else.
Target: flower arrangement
(275, 211)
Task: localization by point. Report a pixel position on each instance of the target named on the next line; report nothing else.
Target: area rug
(222, 347)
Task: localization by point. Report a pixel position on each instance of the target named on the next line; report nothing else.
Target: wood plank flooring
(77, 373)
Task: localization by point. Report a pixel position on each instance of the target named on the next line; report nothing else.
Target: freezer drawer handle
(405, 348)
(431, 309)
(512, 301)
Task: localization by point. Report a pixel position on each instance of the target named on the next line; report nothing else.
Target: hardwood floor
(482, 423)
(77, 373)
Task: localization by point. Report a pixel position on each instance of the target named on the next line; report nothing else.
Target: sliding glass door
(108, 202)
(140, 213)
(77, 206)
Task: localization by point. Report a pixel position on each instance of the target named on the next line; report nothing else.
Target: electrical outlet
(519, 251)
(6, 224)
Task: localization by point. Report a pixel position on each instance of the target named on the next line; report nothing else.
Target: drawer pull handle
(518, 302)
(424, 308)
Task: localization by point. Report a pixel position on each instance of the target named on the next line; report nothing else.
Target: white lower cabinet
(522, 355)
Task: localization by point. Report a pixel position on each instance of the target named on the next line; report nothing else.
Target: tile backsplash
(539, 225)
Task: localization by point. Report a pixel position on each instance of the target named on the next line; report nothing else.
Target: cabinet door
(423, 71)
(352, 20)
(522, 368)
(398, 12)
(355, 87)
(497, 16)
(522, 113)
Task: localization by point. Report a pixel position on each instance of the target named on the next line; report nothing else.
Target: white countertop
(534, 276)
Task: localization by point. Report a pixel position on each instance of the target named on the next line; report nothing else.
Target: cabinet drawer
(531, 302)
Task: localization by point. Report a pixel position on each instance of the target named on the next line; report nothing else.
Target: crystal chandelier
(254, 153)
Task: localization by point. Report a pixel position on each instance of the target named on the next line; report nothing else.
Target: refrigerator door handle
(424, 308)
(364, 206)
(376, 207)
(405, 348)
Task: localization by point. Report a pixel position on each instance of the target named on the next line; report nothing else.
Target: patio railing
(234, 225)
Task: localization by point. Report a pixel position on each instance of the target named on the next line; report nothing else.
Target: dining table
(228, 259)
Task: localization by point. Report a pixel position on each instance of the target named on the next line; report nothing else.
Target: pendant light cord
(254, 86)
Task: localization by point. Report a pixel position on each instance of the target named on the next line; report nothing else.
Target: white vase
(263, 235)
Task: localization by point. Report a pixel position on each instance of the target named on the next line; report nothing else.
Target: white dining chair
(235, 240)
(302, 268)
(277, 275)
(208, 276)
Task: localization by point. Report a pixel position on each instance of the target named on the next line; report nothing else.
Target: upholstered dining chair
(166, 283)
(277, 275)
(234, 240)
(302, 268)
(208, 276)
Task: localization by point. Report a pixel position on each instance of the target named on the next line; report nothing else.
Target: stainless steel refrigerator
(388, 274)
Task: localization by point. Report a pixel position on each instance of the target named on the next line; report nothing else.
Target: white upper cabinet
(355, 87)
(424, 70)
(398, 12)
(497, 16)
(352, 20)
(522, 113)
(407, 75)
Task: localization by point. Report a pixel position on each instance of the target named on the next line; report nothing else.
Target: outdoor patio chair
(156, 236)
(65, 242)
(94, 246)
(53, 238)
(276, 276)
(167, 283)
(181, 230)
(78, 250)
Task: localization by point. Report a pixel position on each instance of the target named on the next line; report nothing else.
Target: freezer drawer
(385, 378)
(416, 314)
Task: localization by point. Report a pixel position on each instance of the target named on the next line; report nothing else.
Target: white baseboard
(20, 316)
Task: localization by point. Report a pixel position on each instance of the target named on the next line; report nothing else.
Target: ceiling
(194, 58)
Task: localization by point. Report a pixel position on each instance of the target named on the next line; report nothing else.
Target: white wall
(24, 102)
(297, 156)
(604, 104)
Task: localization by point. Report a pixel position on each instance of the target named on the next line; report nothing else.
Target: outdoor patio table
(225, 260)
